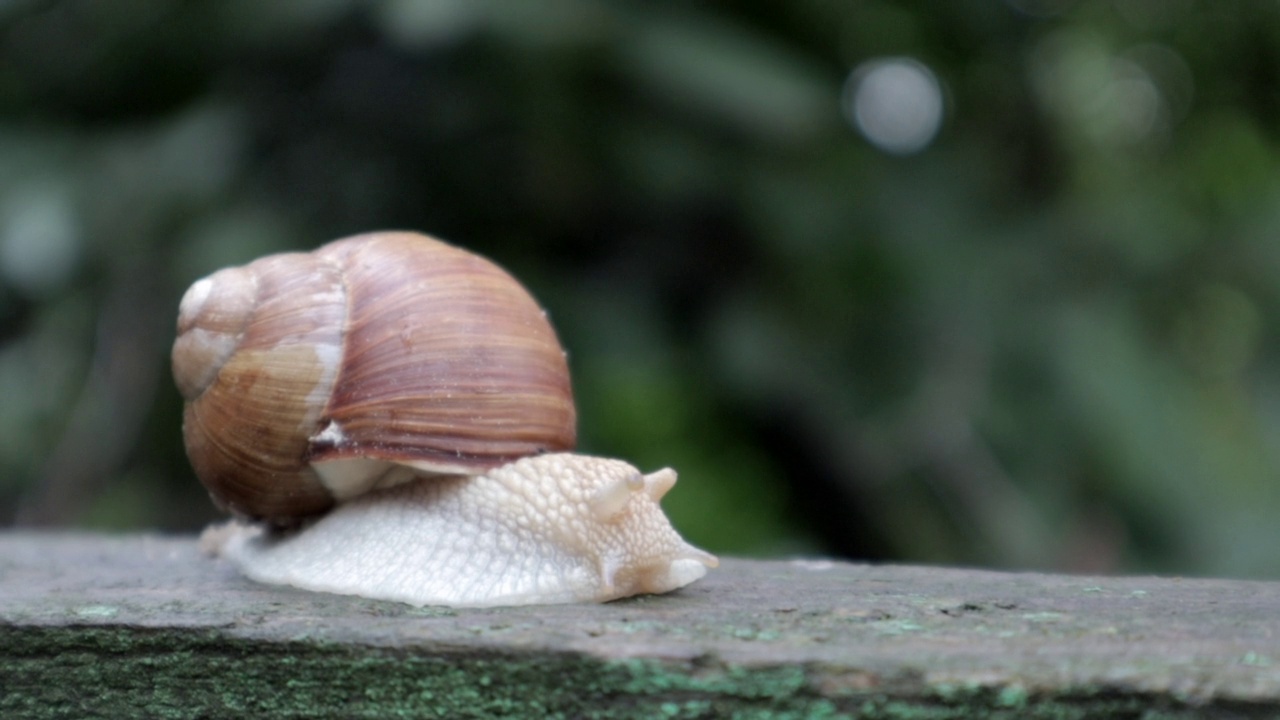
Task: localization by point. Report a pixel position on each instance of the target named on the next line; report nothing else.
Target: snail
(391, 416)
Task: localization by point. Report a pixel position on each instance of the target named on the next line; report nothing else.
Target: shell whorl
(211, 317)
(369, 355)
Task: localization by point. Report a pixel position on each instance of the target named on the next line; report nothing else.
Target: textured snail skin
(554, 528)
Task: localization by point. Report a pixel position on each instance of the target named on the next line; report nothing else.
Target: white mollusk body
(548, 529)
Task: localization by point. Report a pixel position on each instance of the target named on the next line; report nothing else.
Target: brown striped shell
(313, 377)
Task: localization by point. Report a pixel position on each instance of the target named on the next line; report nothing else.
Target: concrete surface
(127, 626)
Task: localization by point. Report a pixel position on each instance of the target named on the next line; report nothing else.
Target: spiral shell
(310, 378)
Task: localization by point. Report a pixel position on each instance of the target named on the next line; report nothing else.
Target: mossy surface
(96, 671)
(93, 626)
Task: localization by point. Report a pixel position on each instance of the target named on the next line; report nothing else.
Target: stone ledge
(112, 626)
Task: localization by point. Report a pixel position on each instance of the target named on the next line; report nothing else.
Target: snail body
(548, 529)
(389, 416)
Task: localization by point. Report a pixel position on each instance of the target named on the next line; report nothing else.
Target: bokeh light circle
(896, 103)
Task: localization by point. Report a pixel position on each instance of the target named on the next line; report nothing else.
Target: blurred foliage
(1045, 338)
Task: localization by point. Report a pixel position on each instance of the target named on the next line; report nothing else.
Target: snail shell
(311, 378)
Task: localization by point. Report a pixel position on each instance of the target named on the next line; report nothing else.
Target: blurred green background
(985, 282)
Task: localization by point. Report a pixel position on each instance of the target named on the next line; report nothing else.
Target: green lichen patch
(119, 671)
